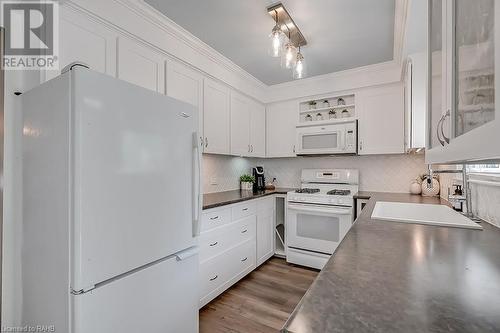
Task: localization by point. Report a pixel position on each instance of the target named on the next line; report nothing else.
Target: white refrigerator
(111, 206)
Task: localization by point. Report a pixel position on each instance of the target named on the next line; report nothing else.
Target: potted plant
(246, 182)
(312, 105)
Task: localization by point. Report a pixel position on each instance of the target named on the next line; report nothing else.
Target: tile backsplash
(382, 173)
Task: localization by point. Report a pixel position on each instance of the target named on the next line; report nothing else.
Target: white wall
(382, 173)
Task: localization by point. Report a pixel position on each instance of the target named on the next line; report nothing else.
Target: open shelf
(326, 122)
(335, 107)
(307, 115)
(280, 228)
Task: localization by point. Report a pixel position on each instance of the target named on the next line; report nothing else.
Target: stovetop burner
(339, 192)
(307, 190)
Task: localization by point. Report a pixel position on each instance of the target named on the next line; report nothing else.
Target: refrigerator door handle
(183, 255)
(197, 202)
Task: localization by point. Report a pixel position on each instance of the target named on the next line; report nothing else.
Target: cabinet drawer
(242, 210)
(214, 242)
(219, 273)
(265, 205)
(215, 218)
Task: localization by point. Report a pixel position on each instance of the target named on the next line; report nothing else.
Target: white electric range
(319, 215)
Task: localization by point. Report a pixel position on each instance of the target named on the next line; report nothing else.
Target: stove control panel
(321, 200)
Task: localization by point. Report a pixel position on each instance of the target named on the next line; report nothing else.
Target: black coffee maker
(260, 181)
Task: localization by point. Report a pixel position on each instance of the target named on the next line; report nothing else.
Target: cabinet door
(381, 120)
(216, 122)
(186, 85)
(240, 125)
(258, 130)
(281, 121)
(141, 65)
(469, 117)
(84, 41)
(265, 229)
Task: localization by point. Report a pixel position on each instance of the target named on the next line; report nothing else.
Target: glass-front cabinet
(463, 122)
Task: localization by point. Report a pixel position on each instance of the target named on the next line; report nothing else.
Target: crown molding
(107, 13)
(152, 15)
(360, 77)
(401, 10)
(137, 20)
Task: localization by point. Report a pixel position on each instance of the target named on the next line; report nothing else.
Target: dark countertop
(398, 277)
(212, 200)
(365, 195)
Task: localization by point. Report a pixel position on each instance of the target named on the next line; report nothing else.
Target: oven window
(320, 141)
(318, 227)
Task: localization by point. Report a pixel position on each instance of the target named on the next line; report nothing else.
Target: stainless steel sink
(438, 215)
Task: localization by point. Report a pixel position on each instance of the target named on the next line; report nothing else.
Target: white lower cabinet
(265, 229)
(219, 273)
(234, 240)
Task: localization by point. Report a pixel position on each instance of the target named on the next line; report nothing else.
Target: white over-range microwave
(341, 138)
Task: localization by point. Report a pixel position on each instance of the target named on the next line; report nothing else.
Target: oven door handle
(321, 209)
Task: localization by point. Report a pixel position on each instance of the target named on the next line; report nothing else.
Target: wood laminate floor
(259, 303)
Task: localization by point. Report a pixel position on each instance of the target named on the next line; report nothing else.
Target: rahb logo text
(31, 35)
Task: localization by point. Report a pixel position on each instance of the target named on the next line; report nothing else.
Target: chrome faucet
(466, 186)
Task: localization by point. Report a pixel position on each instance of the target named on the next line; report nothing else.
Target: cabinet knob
(214, 218)
(244, 231)
(213, 244)
(214, 278)
(244, 259)
(206, 142)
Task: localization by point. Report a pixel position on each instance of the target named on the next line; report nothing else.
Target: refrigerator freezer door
(162, 298)
(133, 177)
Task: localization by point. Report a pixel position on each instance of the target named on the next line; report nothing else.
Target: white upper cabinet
(257, 130)
(216, 120)
(141, 65)
(83, 40)
(240, 125)
(248, 123)
(381, 120)
(186, 84)
(281, 120)
(464, 122)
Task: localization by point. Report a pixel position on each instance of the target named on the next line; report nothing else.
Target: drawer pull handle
(244, 259)
(243, 231)
(245, 209)
(213, 244)
(214, 218)
(215, 277)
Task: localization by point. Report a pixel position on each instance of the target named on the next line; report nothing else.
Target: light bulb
(277, 37)
(289, 56)
(299, 70)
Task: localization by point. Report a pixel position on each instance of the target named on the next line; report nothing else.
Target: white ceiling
(341, 34)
